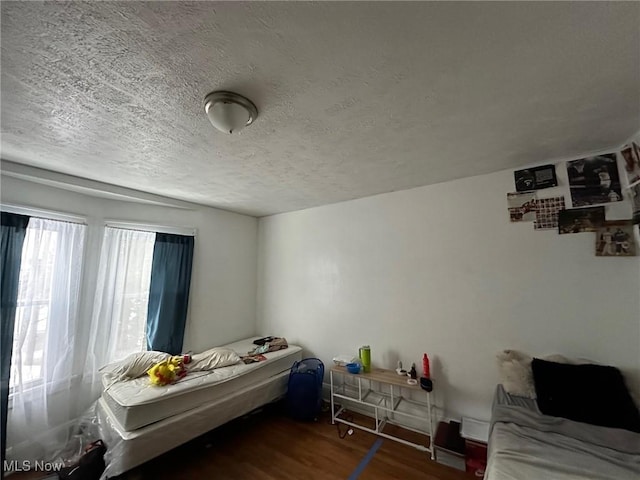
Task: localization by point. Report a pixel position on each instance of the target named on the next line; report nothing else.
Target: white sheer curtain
(56, 355)
(122, 296)
(43, 399)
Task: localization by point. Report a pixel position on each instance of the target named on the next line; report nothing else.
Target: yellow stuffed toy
(169, 371)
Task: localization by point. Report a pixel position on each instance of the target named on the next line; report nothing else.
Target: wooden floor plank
(270, 446)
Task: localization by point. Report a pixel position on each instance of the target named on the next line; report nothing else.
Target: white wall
(440, 269)
(223, 286)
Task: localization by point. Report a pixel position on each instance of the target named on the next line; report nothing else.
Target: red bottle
(425, 366)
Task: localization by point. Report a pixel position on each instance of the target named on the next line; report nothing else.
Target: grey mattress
(525, 444)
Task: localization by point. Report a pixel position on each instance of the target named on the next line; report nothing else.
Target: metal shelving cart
(387, 405)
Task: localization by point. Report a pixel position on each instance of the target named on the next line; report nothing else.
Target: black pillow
(594, 394)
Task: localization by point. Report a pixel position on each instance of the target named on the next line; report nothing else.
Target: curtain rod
(43, 214)
(146, 227)
(70, 218)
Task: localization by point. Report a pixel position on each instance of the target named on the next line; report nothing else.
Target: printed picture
(547, 213)
(615, 239)
(594, 180)
(580, 220)
(522, 207)
(535, 178)
(635, 202)
(631, 156)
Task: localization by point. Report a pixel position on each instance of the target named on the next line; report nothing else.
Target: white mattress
(127, 450)
(136, 403)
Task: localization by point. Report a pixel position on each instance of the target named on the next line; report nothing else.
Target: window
(122, 294)
(48, 291)
(65, 332)
(32, 313)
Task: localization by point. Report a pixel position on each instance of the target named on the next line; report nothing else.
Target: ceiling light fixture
(229, 112)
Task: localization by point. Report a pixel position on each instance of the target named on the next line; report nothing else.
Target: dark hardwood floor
(270, 446)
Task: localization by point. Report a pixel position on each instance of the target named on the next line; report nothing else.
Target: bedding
(526, 444)
(133, 366)
(135, 403)
(139, 363)
(212, 359)
(594, 394)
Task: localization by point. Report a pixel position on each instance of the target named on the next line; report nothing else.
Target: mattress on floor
(524, 443)
(127, 450)
(136, 403)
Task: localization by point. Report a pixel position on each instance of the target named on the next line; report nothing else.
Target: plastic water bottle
(425, 366)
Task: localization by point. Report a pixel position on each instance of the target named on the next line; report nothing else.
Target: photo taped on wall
(578, 220)
(547, 213)
(522, 206)
(634, 193)
(631, 156)
(594, 180)
(535, 178)
(616, 239)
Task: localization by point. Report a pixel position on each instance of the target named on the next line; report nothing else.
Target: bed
(139, 422)
(525, 444)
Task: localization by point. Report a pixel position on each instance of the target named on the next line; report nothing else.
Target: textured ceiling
(355, 98)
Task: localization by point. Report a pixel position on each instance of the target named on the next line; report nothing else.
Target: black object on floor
(90, 466)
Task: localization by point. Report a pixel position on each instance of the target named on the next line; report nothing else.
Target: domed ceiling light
(229, 112)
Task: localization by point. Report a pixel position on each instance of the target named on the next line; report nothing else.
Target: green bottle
(365, 358)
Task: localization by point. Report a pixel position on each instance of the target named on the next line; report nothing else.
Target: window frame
(95, 228)
(34, 384)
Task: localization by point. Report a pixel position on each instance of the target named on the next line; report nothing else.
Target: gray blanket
(524, 444)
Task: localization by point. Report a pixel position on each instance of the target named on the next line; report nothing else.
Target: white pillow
(133, 366)
(516, 375)
(211, 359)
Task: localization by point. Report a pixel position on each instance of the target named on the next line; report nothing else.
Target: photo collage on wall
(524, 204)
(593, 181)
